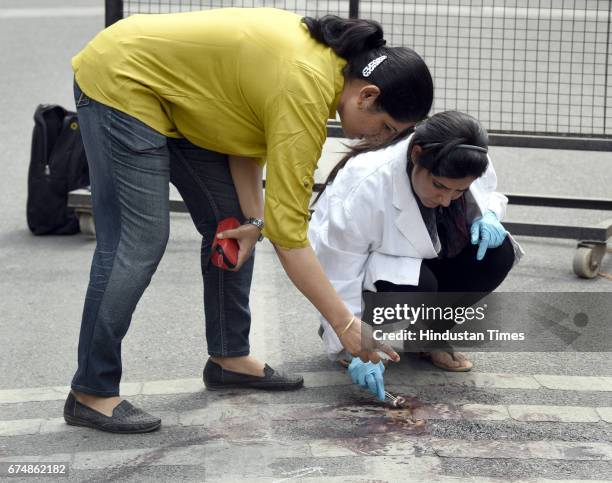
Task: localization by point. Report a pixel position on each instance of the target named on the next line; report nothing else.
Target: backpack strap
(40, 119)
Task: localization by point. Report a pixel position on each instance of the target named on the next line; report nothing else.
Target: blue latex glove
(488, 232)
(368, 375)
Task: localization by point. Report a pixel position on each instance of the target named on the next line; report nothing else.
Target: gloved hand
(489, 232)
(368, 375)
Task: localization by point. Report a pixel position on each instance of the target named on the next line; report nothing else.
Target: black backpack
(57, 166)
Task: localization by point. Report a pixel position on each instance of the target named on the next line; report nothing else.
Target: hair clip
(368, 69)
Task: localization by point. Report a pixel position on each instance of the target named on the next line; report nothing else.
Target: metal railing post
(113, 11)
(354, 8)
(608, 71)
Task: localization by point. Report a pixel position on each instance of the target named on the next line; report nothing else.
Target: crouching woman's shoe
(215, 377)
(126, 418)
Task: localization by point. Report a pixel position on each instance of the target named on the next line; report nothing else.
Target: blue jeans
(131, 166)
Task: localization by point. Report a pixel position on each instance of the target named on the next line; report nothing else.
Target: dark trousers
(131, 166)
(461, 274)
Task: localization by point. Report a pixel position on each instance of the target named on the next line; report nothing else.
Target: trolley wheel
(585, 264)
(86, 224)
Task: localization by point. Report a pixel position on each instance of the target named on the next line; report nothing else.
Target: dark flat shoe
(126, 418)
(215, 377)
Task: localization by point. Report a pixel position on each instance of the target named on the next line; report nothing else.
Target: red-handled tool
(224, 251)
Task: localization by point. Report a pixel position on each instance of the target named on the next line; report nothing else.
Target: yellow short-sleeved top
(241, 81)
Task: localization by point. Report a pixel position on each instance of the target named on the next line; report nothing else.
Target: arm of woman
(306, 273)
(294, 140)
(247, 175)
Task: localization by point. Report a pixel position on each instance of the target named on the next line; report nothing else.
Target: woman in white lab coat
(418, 215)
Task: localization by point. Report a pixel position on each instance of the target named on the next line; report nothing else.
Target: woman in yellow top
(204, 100)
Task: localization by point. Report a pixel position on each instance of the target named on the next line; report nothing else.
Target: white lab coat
(367, 227)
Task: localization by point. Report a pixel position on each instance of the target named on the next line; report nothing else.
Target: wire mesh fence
(303, 7)
(520, 66)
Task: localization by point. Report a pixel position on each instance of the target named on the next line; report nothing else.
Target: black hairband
(471, 146)
(460, 146)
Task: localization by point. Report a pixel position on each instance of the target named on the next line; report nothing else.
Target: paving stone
(558, 450)
(175, 386)
(58, 425)
(575, 383)
(203, 417)
(186, 456)
(128, 389)
(261, 416)
(20, 427)
(605, 414)
(309, 411)
(335, 378)
(91, 460)
(260, 455)
(406, 460)
(169, 418)
(546, 480)
(47, 458)
(415, 378)
(401, 468)
(436, 411)
(498, 381)
(565, 414)
(431, 478)
(484, 412)
(330, 449)
(33, 394)
(366, 446)
(326, 378)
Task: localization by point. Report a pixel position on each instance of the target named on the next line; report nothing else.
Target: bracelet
(258, 222)
(348, 326)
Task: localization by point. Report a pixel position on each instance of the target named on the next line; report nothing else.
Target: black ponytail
(347, 37)
(362, 147)
(405, 83)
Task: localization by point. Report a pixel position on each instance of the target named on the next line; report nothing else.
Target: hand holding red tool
(224, 252)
